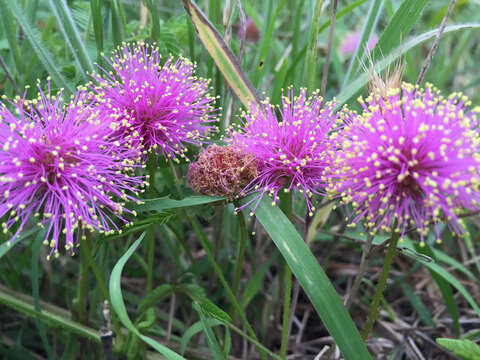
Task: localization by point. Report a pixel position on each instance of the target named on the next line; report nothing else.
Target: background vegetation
(182, 287)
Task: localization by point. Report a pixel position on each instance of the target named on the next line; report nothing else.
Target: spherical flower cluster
(292, 147)
(222, 171)
(59, 164)
(411, 158)
(160, 107)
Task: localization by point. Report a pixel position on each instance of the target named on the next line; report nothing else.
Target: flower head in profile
(291, 145)
(159, 106)
(411, 158)
(59, 165)
(222, 171)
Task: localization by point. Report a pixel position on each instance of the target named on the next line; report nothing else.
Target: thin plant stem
(218, 271)
(362, 268)
(310, 65)
(87, 254)
(382, 281)
(82, 286)
(329, 50)
(286, 203)
(240, 255)
(432, 51)
(150, 259)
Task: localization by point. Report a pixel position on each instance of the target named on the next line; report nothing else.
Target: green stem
(218, 271)
(150, 258)
(86, 250)
(82, 285)
(286, 204)
(382, 281)
(310, 75)
(240, 255)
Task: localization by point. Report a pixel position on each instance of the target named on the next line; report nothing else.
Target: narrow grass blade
(119, 305)
(465, 349)
(38, 46)
(96, 12)
(222, 55)
(51, 316)
(417, 304)
(166, 203)
(356, 85)
(193, 330)
(35, 291)
(313, 280)
(398, 28)
(369, 26)
(10, 34)
(118, 30)
(71, 35)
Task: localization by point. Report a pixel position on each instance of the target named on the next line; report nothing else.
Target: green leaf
(38, 46)
(51, 316)
(71, 35)
(371, 21)
(119, 305)
(399, 27)
(166, 203)
(154, 297)
(96, 11)
(417, 304)
(193, 330)
(465, 349)
(356, 85)
(212, 342)
(222, 55)
(444, 286)
(6, 246)
(313, 280)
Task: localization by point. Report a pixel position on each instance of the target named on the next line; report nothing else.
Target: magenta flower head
(58, 164)
(292, 146)
(159, 106)
(412, 158)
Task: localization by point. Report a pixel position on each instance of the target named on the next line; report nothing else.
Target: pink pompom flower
(292, 146)
(158, 106)
(59, 164)
(411, 158)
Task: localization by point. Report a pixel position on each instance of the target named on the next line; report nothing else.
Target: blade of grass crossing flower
(222, 55)
(38, 46)
(356, 85)
(119, 305)
(313, 280)
(369, 26)
(37, 243)
(71, 35)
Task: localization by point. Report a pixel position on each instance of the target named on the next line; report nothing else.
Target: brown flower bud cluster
(222, 171)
